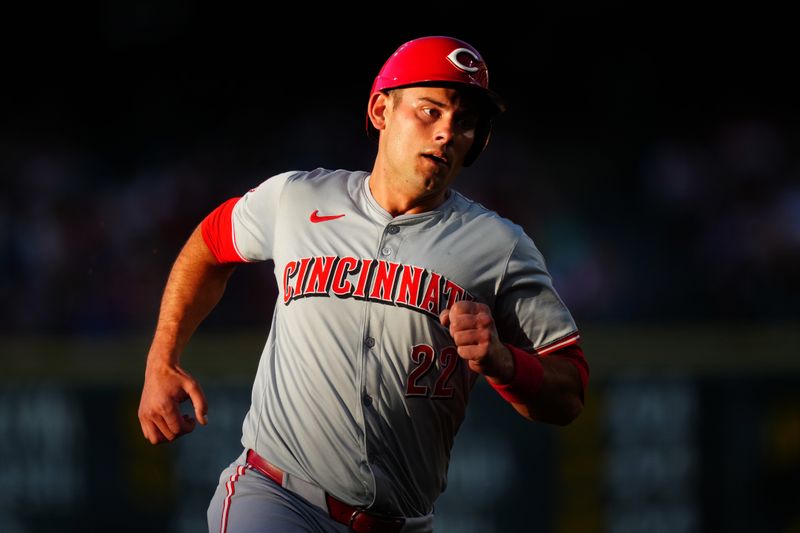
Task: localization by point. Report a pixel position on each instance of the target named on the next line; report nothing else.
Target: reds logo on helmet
(471, 59)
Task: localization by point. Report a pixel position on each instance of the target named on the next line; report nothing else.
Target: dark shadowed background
(652, 156)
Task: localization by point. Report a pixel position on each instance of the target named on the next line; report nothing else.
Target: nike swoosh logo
(315, 218)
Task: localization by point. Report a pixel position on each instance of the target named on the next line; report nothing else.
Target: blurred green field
(687, 428)
(693, 348)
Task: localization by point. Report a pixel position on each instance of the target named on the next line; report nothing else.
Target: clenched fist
(472, 327)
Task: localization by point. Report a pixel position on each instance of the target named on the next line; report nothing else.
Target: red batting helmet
(442, 60)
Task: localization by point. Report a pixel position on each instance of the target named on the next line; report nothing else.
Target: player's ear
(378, 104)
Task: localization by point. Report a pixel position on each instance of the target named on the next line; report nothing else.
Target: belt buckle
(353, 518)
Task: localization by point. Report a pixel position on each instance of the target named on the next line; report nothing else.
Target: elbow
(562, 413)
(568, 410)
(573, 399)
(572, 409)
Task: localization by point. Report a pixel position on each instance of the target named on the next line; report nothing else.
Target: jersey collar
(385, 216)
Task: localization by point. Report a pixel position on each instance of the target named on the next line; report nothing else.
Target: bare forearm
(547, 389)
(195, 285)
(559, 398)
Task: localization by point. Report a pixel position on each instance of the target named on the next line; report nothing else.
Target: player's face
(428, 132)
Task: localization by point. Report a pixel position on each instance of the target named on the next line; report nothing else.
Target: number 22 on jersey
(424, 357)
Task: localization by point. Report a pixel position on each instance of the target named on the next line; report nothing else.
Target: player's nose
(444, 130)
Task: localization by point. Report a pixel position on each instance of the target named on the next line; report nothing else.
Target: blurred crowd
(685, 227)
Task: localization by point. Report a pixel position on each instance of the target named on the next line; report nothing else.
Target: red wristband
(528, 376)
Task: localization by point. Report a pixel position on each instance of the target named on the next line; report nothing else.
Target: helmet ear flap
(482, 133)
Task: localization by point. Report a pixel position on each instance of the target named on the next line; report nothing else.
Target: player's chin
(435, 175)
(432, 184)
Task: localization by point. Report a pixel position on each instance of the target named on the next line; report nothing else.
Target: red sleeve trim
(528, 376)
(572, 338)
(217, 229)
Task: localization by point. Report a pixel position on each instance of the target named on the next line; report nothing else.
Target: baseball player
(395, 294)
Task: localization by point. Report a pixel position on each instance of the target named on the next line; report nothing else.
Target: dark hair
(396, 94)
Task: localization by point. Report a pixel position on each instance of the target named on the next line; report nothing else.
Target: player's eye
(431, 112)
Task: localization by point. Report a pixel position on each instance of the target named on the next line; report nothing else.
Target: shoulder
(318, 176)
(292, 183)
(508, 238)
(491, 224)
(321, 177)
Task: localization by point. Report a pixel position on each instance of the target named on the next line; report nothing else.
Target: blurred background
(654, 157)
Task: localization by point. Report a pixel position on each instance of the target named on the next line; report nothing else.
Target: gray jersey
(360, 389)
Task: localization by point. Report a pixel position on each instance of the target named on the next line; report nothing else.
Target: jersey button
(367, 400)
(393, 229)
(370, 342)
(386, 251)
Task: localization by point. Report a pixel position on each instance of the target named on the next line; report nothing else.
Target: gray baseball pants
(247, 501)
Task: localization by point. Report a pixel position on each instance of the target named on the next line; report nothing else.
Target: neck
(397, 200)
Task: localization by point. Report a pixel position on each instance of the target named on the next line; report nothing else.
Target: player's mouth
(437, 157)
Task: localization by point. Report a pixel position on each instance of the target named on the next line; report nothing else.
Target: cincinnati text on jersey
(371, 279)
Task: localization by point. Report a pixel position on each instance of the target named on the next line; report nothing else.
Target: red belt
(357, 519)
